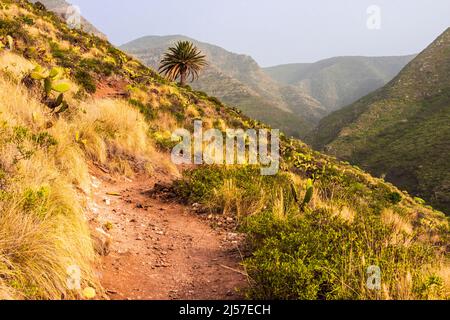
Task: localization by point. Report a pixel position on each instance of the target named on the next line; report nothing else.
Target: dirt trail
(161, 250)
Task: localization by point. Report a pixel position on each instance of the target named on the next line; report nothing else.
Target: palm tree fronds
(184, 60)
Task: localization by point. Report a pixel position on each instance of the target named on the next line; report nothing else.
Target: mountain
(60, 8)
(292, 97)
(401, 131)
(340, 81)
(238, 80)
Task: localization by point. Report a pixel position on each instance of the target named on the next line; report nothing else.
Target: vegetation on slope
(401, 131)
(321, 247)
(303, 246)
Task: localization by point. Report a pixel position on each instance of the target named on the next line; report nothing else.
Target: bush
(85, 80)
(395, 197)
(320, 256)
(240, 190)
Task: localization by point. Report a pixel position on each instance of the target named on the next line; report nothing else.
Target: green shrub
(28, 20)
(395, 197)
(146, 109)
(85, 80)
(164, 140)
(420, 200)
(97, 66)
(320, 256)
(35, 200)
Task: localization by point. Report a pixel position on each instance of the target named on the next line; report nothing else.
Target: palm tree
(184, 60)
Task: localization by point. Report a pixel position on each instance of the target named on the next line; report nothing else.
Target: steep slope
(339, 81)
(238, 80)
(401, 131)
(60, 8)
(303, 226)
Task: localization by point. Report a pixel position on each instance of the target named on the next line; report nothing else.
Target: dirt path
(161, 250)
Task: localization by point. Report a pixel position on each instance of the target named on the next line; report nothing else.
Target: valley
(93, 206)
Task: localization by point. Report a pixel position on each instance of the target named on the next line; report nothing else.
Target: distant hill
(339, 81)
(292, 97)
(60, 8)
(401, 131)
(238, 80)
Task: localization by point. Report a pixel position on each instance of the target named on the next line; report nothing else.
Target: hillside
(60, 8)
(340, 81)
(91, 202)
(401, 131)
(238, 80)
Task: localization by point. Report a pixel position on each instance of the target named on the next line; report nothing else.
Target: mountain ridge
(241, 83)
(338, 81)
(401, 130)
(295, 108)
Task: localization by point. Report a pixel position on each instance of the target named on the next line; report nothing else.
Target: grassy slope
(60, 7)
(402, 130)
(44, 164)
(337, 82)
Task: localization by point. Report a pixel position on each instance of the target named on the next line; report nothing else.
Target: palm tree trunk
(182, 78)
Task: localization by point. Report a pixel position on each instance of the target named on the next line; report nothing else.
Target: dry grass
(16, 65)
(36, 251)
(166, 122)
(231, 200)
(227, 197)
(42, 228)
(42, 224)
(278, 208)
(398, 223)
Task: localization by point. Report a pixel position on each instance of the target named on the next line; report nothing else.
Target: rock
(232, 235)
(101, 241)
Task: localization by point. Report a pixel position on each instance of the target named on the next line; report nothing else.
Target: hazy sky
(278, 31)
